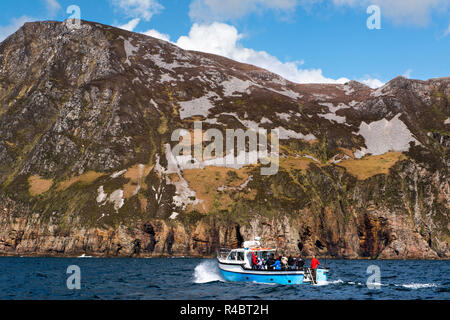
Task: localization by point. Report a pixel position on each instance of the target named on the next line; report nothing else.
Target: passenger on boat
(291, 262)
(284, 263)
(314, 264)
(260, 264)
(277, 264)
(300, 262)
(270, 262)
(254, 261)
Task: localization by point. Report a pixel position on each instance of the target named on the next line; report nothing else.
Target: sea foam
(207, 271)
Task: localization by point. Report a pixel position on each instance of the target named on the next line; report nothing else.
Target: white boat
(235, 265)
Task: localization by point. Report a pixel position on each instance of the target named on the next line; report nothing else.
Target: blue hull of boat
(273, 278)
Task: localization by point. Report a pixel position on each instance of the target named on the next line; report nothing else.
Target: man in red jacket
(254, 261)
(314, 264)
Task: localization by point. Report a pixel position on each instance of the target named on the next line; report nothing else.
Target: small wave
(325, 283)
(207, 271)
(418, 285)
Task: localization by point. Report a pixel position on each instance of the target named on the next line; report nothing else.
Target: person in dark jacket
(291, 262)
(300, 263)
(270, 262)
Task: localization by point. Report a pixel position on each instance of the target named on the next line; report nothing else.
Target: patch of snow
(333, 117)
(240, 188)
(447, 121)
(139, 181)
(174, 216)
(288, 93)
(245, 184)
(235, 85)
(130, 50)
(118, 174)
(348, 89)
(310, 157)
(360, 153)
(321, 97)
(382, 91)
(285, 134)
(283, 116)
(353, 103)
(265, 120)
(335, 161)
(279, 80)
(154, 104)
(117, 199)
(332, 108)
(101, 195)
(161, 63)
(211, 121)
(184, 194)
(197, 107)
(384, 136)
(165, 77)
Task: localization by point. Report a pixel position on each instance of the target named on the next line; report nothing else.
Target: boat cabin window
(240, 256)
(232, 256)
(264, 255)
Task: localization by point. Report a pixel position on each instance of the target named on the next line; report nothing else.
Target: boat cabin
(243, 256)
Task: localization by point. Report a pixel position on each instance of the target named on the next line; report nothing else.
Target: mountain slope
(86, 119)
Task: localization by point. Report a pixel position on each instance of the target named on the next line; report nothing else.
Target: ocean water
(198, 279)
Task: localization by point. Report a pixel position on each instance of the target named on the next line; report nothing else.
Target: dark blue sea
(197, 279)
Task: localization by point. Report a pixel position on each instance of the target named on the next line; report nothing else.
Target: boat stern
(322, 275)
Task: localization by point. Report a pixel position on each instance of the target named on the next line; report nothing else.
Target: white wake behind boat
(235, 265)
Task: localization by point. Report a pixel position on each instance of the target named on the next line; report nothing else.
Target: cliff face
(86, 119)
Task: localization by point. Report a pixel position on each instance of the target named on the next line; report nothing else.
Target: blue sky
(303, 40)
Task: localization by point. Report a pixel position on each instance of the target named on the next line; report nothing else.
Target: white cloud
(15, 24)
(144, 9)
(220, 10)
(407, 73)
(156, 34)
(223, 39)
(53, 7)
(447, 32)
(412, 12)
(371, 82)
(131, 25)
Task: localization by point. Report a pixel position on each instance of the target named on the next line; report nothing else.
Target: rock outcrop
(86, 120)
